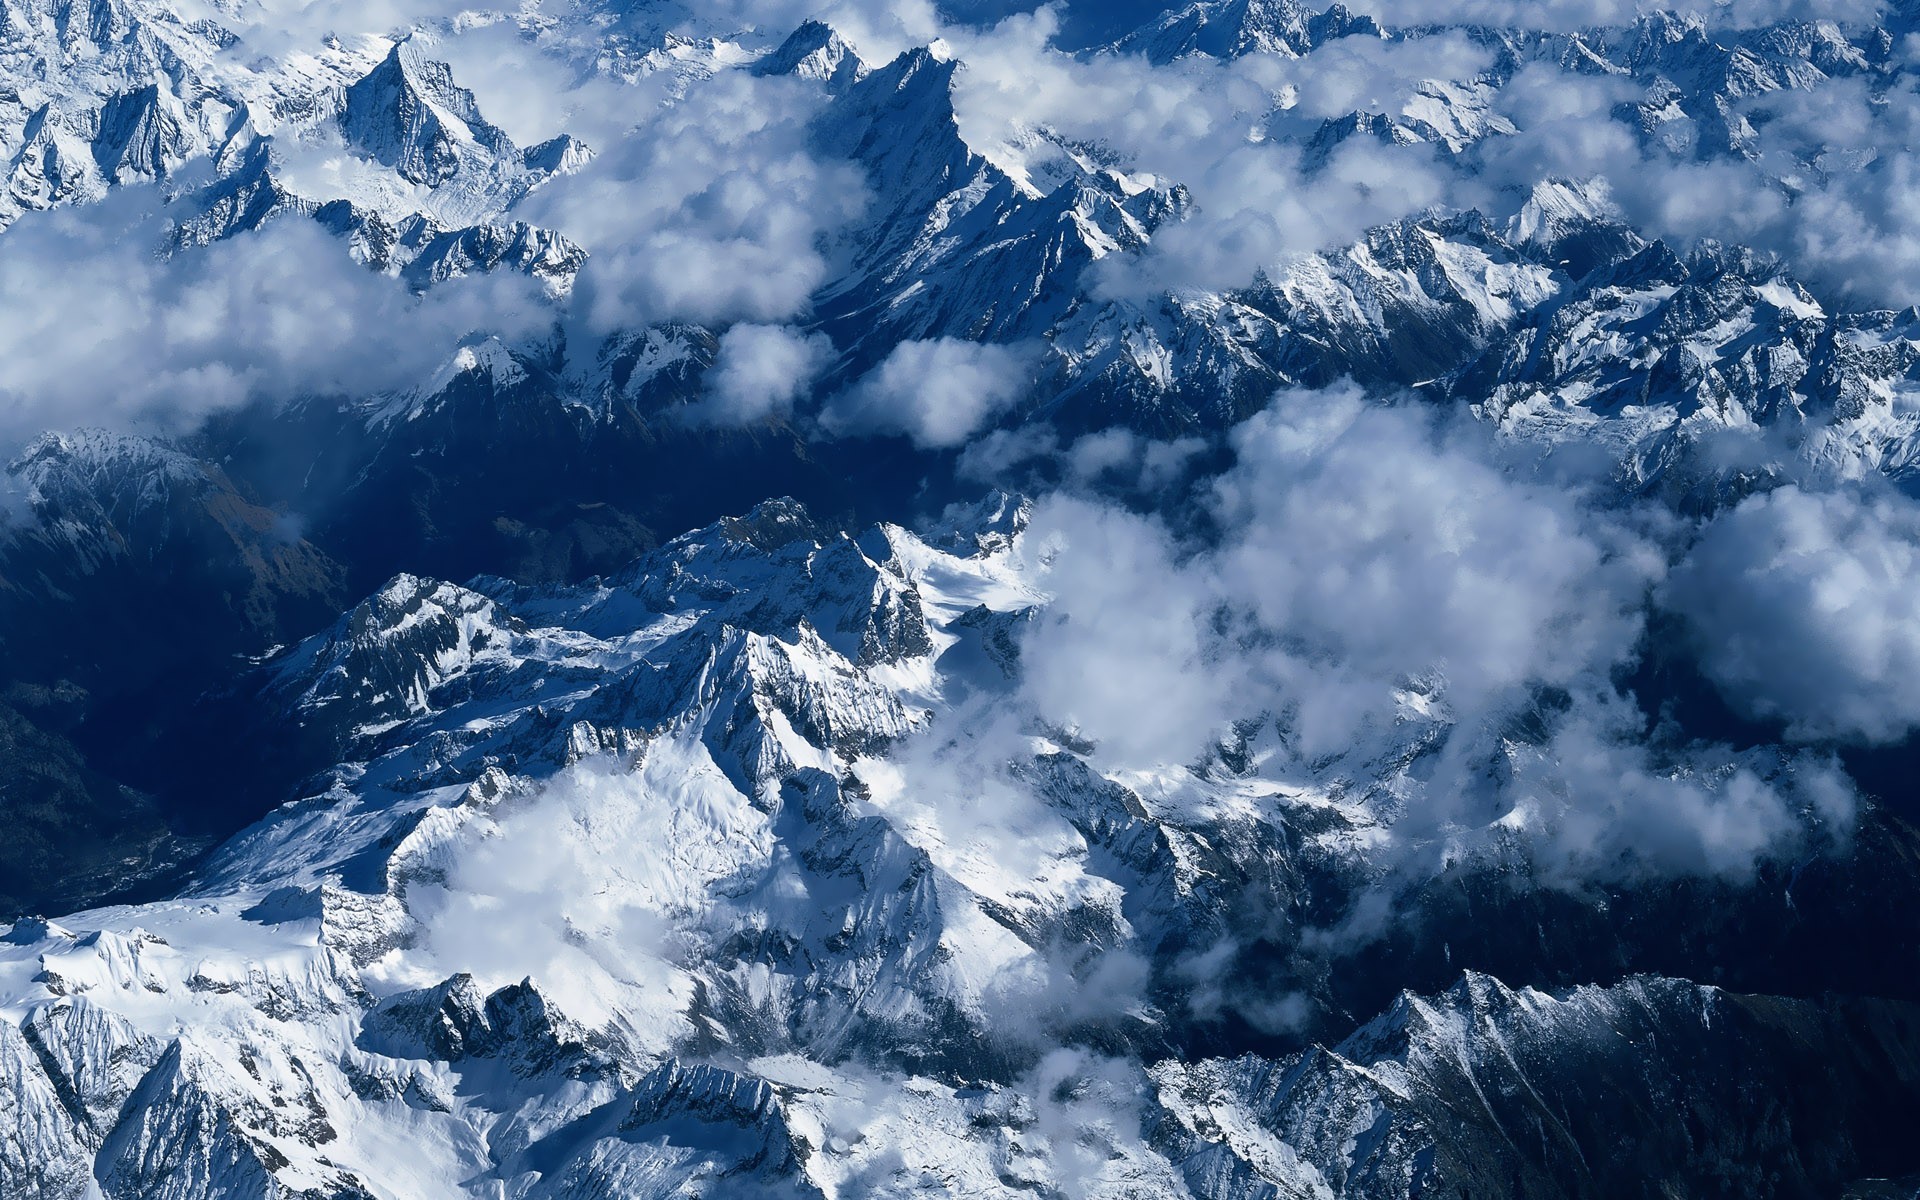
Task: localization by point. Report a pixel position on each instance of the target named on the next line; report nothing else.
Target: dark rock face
(409, 114)
(1655, 1087)
(136, 581)
(111, 516)
(73, 834)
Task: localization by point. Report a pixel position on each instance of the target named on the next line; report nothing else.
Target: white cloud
(996, 456)
(937, 392)
(1371, 558)
(759, 372)
(711, 210)
(96, 329)
(1596, 806)
(1121, 654)
(1363, 548)
(1130, 460)
(1392, 547)
(534, 90)
(1804, 610)
(528, 888)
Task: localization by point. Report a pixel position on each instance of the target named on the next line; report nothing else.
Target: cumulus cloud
(1032, 458)
(1000, 457)
(1595, 805)
(1364, 549)
(937, 392)
(534, 89)
(1380, 571)
(1257, 208)
(1804, 611)
(1390, 546)
(758, 373)
(1133, 462)
(96, 328)
(1122, 653)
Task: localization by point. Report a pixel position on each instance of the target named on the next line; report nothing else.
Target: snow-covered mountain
(629, 889)
(1498, 441)
(954, 242)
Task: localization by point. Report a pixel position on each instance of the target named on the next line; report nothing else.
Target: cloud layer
(708, 201)
(97, 328)
(1383, 571)
(1375, 566)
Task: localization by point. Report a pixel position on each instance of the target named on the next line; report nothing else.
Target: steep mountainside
(1425, 706)
(793, 951)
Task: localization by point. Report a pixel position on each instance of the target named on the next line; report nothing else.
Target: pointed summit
(409, 114)
(898, 121)
(1575, 225)
(142, 135)
(815, 51)
(560, 155)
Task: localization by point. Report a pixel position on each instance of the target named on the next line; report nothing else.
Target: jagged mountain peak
(32, 931)
(1667, 27)
(408, 72)
(559, 155)
(1367, 1117)
(89, 26)
(143, 134)
(105, 466)
(1555, 203)
(454, 1021)
(1575, 225)
(751, 860)
(385, 657)
(484, 369)
(817, 52)
(489, 357)
(1335, 132)
(772, 524)
(409, 114)
(1231, 28)
(917, 82)
(898, 118)
(986, 527)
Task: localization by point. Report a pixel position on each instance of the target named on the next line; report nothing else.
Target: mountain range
(1141, 710)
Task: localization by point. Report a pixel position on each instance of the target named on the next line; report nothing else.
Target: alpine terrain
(1221, 600)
